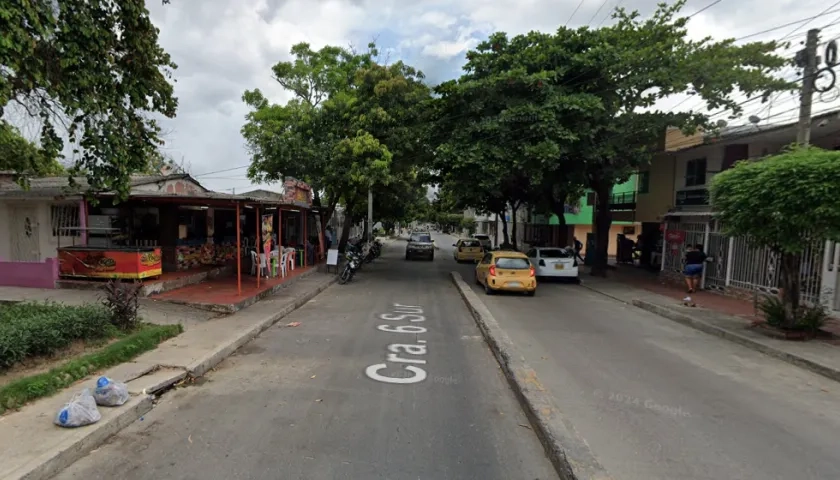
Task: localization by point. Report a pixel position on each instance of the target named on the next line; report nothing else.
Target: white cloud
(224, 47)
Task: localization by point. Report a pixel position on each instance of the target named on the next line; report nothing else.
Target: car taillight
(533, 272)
(492, 270)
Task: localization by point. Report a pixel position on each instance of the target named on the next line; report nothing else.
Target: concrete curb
(159, 379)
(52, 463)
(687, 320)
(570, 455)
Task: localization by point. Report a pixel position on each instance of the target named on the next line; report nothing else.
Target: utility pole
(807, 60)
(370, 214)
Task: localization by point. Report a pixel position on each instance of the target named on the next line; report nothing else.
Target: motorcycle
(354, 262)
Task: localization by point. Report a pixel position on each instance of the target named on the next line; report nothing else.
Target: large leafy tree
(21, 156)
(786, 203)
(353, 125)
(94, 67)
(506, 128)
(631, 65)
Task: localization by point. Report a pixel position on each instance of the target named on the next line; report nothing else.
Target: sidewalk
(31, 447)
(726, 317)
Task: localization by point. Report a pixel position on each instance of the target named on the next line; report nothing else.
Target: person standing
(693, 270)
(578, 248)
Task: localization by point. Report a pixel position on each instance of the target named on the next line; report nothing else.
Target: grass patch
(147, 337)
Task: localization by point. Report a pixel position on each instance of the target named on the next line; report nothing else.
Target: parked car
(468, 250)
(554, 262)
(420, 244)
(484, 240)
(506, 271)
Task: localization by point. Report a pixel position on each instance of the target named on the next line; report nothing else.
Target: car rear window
(555, 253)
(513, 263)
(481, 237)
(470, 243)
(421, 238)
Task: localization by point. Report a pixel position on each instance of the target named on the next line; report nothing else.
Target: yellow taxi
(506, 271)
(468, 250)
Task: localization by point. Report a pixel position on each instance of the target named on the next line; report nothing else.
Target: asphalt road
(656, 400)
(297, 402)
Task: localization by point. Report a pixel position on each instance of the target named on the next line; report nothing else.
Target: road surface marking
(402, 363)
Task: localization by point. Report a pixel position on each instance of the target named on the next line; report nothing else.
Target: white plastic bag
(79, 411)
(110, 393)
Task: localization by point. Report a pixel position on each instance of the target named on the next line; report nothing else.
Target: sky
(224, 47)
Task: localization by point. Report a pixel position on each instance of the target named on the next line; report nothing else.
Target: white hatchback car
(554, 262)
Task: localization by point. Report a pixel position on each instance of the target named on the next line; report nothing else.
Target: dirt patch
(36, 365)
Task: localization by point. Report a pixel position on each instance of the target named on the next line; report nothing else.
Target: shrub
(806, 318)
(33, 329)
(123, 301)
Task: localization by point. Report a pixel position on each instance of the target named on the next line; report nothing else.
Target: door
(25, 240)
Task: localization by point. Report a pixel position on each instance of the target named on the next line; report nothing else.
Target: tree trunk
(505, 236)
(515, 241)
(790, 281)
(345, 229)
(603, 221)
(559, 210)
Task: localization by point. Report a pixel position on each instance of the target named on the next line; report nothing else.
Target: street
(333, 398)
(297, 402)
(659, 401)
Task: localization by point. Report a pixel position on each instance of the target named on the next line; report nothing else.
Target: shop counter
(110, 262)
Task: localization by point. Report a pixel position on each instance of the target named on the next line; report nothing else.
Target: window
(532, 253)
(64, 220)
(513, 263)
(420, 238)
(470, 243)
(644, 182)
(555, 253)
(695, 172)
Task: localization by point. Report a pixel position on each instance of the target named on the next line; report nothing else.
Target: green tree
(505, 128)
(786, 203)
(19, 155)
(631, 65)
(353, 125)
(95, 67)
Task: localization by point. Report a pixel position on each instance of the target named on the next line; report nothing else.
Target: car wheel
(576, 281)
(531, 293)
(487, 289)
(407, 257)
(432, 258)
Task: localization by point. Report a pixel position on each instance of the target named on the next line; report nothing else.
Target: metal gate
(718, 250)
(694, 232)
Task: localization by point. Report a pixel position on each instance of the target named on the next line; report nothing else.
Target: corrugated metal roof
(47, 187)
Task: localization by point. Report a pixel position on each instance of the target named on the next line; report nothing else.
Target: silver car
(420, 244)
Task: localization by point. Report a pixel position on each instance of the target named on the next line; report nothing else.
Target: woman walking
(694, 258)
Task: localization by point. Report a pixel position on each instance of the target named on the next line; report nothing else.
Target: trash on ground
(525, 426)
(293, 324)
(79, 411)
(110, 393)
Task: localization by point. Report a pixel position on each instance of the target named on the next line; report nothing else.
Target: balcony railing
(623, 201)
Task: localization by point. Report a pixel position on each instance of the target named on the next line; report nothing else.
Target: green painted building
(584, 215)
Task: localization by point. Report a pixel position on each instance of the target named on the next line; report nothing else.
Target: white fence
(734, 263)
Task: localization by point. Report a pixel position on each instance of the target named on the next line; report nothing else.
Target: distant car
(484, 240)
(554, 262)
(420, 244)
(506, 271)
(468, 250)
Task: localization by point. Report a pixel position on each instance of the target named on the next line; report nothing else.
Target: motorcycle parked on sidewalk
(354, 263)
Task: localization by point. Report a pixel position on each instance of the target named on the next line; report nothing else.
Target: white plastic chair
(290, 256)
(283, 259)
(263, 264)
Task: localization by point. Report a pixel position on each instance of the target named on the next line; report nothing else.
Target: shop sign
(109, 263)
(297, 192)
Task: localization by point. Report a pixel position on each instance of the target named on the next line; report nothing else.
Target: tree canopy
(540, 113)
(21, 156)
(93, 68)
(353, 124)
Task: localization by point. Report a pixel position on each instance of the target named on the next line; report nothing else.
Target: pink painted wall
(29, 274)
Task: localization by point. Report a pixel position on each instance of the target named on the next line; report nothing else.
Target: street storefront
(102, 262)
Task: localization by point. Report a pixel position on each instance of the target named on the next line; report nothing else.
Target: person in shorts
(694, 259)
